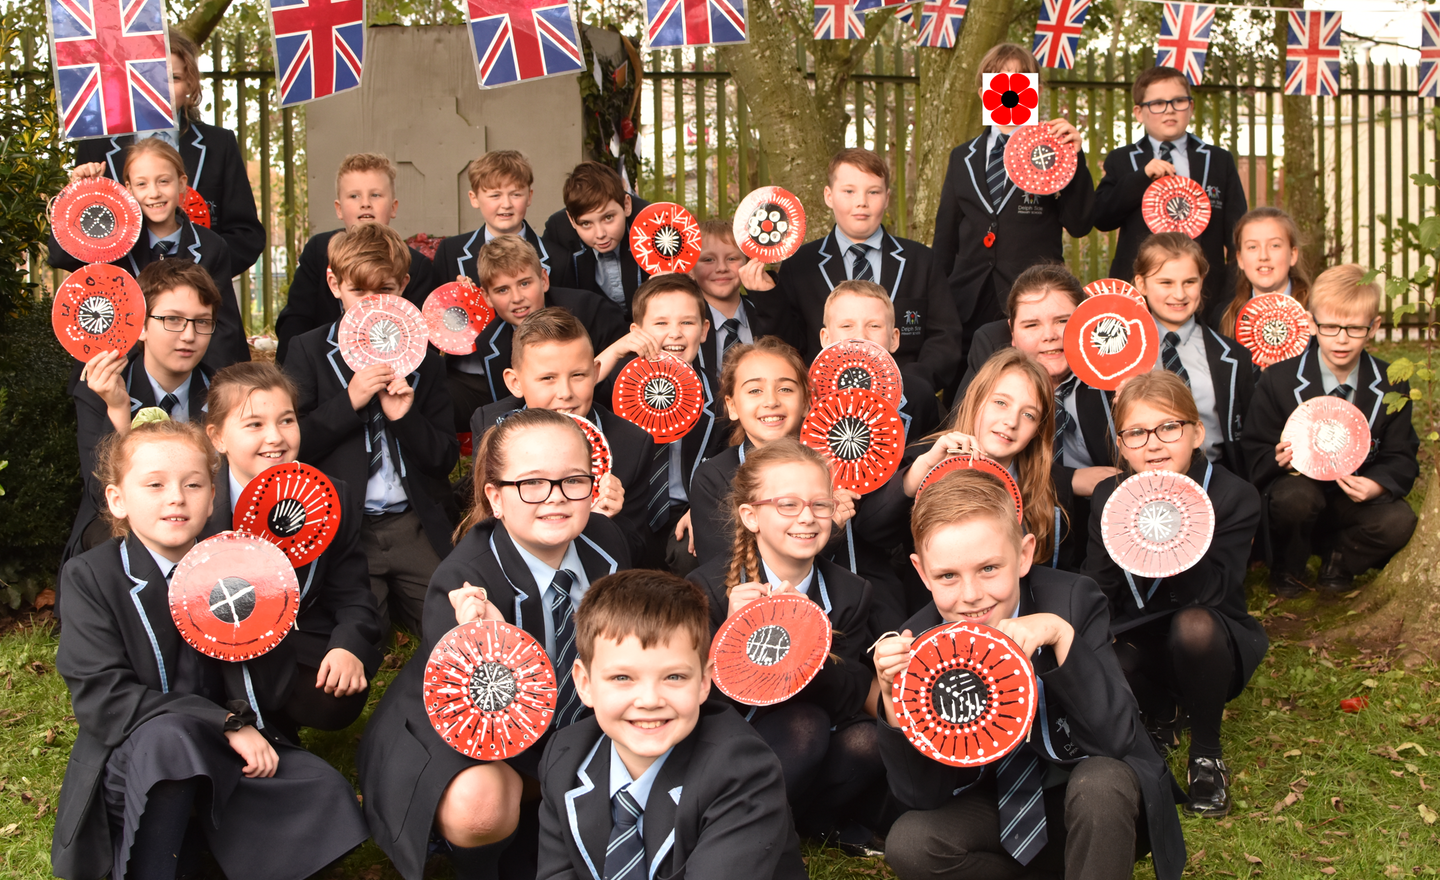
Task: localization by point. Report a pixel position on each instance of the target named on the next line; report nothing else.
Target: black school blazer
(333, 437)
(458, 255)
(717, 808)
(216, 170)
(1088, 710)
(1027, 227)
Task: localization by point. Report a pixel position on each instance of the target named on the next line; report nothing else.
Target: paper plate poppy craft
(600, 460)
(294, 507)
(1010, 98)
(767, 652)
(769, 224)
(234, 596)
(1328, 436)
(489, 690)
(1113, 285)
(1037, 162)
(455, 314)
(967, 697)
(195, 207)
(860, 434)
(1157, 524)
(856, 363)
(662, 396)
(978, 463)
(1109, 338)
(664, 238)
(97, 308)
(96, 220)
(1274, 327)
(383, 329)
(1176, 204)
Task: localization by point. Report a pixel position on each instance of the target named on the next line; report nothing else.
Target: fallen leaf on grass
(1337, 805)
(50, 737)
(37, 667)
(1197, 857)
(1327, 870)
(1416, 746)
(1293, 753)
(1254, 860)
(1288, 801)
(45, 599)
(1428, 815)
(10, 829)
(401, 638)
(1370, 683)
(1392, 871)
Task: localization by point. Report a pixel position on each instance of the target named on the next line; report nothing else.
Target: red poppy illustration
(1010, 99)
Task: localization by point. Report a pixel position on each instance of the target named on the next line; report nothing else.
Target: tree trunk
(202, 22)
(1302, 180)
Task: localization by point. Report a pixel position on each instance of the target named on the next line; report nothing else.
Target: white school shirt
(181, 410)
(872, 255)
(1180, 158)
(544, 579)
(1202, 386)
(639, 788)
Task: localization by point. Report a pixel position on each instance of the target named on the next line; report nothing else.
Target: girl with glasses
(1186, 642)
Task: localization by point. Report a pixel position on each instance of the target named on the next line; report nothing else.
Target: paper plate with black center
(234, 596)
(98, 308)
(1109, 338)
(455, 314)
(1037, 162)
(769, 224)
(967, 696)
(195, 207)
(1176, 204)
(383, 329)
(1113, 285)
(489, 690)
(767, 652)
(664, 238)
(860, 434)
(1274, 327)
(1329, 438)
(294, 507)
(978, 463)
(96, 220)
(600, 460)
(662, 396)
(1157, 524)
(856, 363)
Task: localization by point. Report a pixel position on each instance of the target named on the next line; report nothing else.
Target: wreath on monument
(610, 100)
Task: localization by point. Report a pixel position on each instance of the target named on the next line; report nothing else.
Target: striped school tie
(1064, 422)
(1342, 391)
(1019, 782)
(1167, 150)
(168, 403)
(995, 177)
(860, 263)
(657, 507)
(731, 328)
(1170, 356)
(625, 854)
(568, 707)
(375, 434)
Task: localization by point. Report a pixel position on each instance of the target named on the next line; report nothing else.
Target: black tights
(155, 853)
(1187, 656)
(825, 772)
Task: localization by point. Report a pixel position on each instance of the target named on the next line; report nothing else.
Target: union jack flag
(1312, 53)
(837, 20)
(1430, 54)
(112, 66)
(319, 47)
(940, 22)
(1057, 33)
(675, 24)
(518, 40)
(1185, 38)
(878, 5)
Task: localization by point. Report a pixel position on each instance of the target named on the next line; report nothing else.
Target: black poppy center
(1043, 157)
(97, 221)
(232, 599)
(1010, 99)
(96, 314)
(854, 377)
(286, 518)
(667, 241)
(849, 438)
(1178, 208)
(659, 393)
(492, 686)
(768, 645)
(455, 319)
(959, 696)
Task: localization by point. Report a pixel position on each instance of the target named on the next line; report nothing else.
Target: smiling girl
(1269, 256)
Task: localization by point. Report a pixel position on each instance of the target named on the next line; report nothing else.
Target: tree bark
(1302, 179)
(202, 22)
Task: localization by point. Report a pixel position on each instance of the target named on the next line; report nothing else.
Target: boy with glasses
(1362, 519)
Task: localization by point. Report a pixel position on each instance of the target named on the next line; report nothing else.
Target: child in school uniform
(502, 186)
(988, 230)
(735, 315)
(155, 175)
(1361, 520)
(1270, 260)
(1186, 642)
(660, 782)
(1082, 798)
(173, 753)
(1164, 106)
(364, 193)
(330, 655)
(527, 554)
(599, 212)
(394, 435)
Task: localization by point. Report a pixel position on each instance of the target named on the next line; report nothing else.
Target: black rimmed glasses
(1354, 331)
(537, 490)
(1168, 432)
(176, 323)
(789, 505)
(1177, 104)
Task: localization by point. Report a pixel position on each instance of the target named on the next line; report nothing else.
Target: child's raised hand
(1360, 489)
(88, 169)
(396, 398)
(1034, 631)
(636, 342)
(365, 384)
(104, 374)
(743, 594)
(1158, 168)
(892, 654)
(754, 277)
(952, 443)
(1284, 454)
(844, 507)
(255, 750)
(1085, 480)
(1065, 133)
(341, 674)
(473, 603)
(684, 532)
(611, 498)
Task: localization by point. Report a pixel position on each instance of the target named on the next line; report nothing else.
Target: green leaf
(1433, 435)
(1400, 310)
(1417, 394)
(1396, 286)
(1423, 179)
(1430, 232)
(1401, 369)
(1395, 401)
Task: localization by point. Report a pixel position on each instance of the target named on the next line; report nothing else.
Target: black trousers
(1306, 514)
(468, 392)
(401, 560)
(1094, 824)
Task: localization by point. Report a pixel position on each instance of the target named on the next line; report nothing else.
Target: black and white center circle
(1177, 208)
(667, 241)
(385, 336)
(96, 314)
(659, 393)
(1331, 436)
(959, 696)
(1158, 521)
(1110, 335)
(849, 438)
(97, 221)
(768, 645)
(286, 518)
(1275, 332)
(232, 599)
(854, 377)
(455, 319)
(1044, 157)
(492, 686)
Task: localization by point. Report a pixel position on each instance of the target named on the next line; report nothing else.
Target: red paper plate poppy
(767, 652)
(195, 207)
(96, 220)
(662, 396)
(856, 363)
(1157, 524)
(1009, 98)
(1176, 204)
(455, 314)
(294, 507)
(979, 463)
(383, 329)
(967, 697)
(1109, 338)
(234, 596)
(665, 238)
(1113, 285)
(769, 224)
(1274, 327)
(860, 434)
(600, 460)
(1037, 162)
(1328, 436)
(98, 308)
(489, 690)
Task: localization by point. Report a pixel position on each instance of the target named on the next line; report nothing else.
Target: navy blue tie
(731, 327)
(168, 403)
(1170, 356)
(657, 508)
(995, 177)
(1342, 391)
(161, 250)
(1019, 784)
(1064, 422)
(568, 707)
(625, 854)
(375, 434)
(1167, 150)
(860, 263)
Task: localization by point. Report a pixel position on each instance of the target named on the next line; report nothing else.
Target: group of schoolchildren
(647, 769)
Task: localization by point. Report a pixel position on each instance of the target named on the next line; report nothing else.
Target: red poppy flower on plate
(1010, 98)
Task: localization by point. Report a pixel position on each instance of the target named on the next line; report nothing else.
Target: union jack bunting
(1430, 54)
(864, 6)
(940, 22)
(837, 20)
(1185, 38)
(1057, 33)
(674, 24)
(112, 66)
(319, 47)
(519, 40)
(1312, 53)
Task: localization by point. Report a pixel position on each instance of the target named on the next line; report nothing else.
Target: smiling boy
(599, 211)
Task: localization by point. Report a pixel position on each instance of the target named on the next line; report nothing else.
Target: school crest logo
(1216, 202)
(912, 323)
